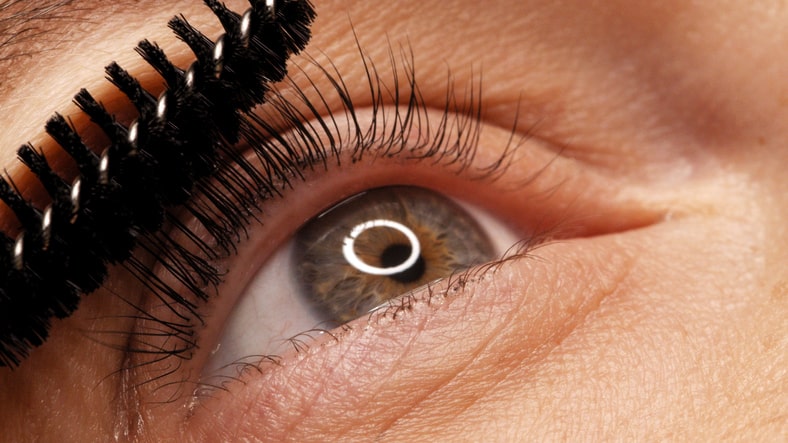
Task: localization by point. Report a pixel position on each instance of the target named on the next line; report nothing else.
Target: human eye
(263, 327)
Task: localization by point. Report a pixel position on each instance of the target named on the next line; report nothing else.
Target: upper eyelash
(230, 198)
(64, 249)
(313, 140)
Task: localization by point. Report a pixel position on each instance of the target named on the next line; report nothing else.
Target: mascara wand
(154, 164)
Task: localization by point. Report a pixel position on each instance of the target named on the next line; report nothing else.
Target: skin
(660, 130)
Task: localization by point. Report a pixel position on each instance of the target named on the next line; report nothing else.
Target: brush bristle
(121, 197)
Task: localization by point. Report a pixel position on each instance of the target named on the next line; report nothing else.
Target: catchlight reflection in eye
(381, 244)
(350, 259)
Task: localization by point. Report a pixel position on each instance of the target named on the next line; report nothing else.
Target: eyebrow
(26, 30)
(30, 28)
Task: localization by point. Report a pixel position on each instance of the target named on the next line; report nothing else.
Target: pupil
(397, 254)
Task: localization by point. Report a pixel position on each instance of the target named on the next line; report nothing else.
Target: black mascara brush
(122, 194)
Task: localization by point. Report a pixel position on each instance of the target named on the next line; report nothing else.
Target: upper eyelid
(141, 359)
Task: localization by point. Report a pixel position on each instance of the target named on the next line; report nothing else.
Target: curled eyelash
(123, 195)
(296, 131)
(316, 139)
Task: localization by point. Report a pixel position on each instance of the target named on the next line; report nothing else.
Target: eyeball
(350, 259)
(381, 244)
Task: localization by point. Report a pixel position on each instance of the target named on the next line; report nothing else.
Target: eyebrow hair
(30, 28)
(26, 29)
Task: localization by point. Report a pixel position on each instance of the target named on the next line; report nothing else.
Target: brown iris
(360, 253)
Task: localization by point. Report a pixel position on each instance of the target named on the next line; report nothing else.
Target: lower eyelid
(439, 337)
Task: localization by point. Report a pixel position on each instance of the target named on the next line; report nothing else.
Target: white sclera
(269, 313)
(348, 247)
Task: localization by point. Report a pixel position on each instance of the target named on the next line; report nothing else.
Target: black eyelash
(397, 127)
(123, 196)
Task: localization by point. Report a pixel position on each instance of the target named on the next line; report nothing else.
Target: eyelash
(291, 135)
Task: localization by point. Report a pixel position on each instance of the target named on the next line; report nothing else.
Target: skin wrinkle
(551, 345)
(450, 377)
(404, 350)
(380, 429)
(407, 419)
(447, 379)
(643, 358)
(328, 371)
